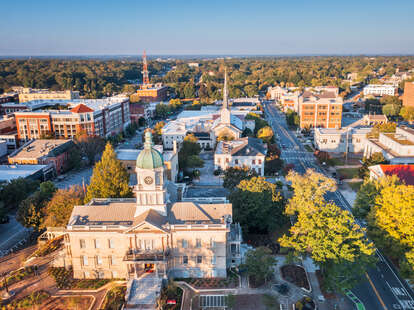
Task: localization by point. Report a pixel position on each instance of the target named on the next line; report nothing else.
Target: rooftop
(242, 147)
(42, 147)
(403, 172)
(398, 138)
(11, 172)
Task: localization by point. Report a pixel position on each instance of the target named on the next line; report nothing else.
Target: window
(112, 259)
(82, 243)
(213, 260)
(184, 243)
(199, 259)
(111, 241)
(185, 259)
(84, 260)
(260, 171)
(97, 244)
(198, 243)
(114, 274)
(212, 243)
(101, 275)
(236, 161)
(98, 260)
(260, 161)
(86, 274)
(253, 162)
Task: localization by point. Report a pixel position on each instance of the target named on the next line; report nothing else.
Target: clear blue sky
(73, 27)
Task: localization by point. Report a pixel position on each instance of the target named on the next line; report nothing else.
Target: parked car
(5, 219)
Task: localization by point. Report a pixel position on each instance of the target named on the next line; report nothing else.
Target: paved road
(383, 289)
(11, 234)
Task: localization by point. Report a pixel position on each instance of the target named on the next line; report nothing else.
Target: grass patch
(29, 301)
(18, 275)
(355, 185)
(114, 298)
(270, 302)
(335, 161)
(64, 280)
(348, 173)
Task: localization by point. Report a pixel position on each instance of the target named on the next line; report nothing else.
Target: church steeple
(225, 117)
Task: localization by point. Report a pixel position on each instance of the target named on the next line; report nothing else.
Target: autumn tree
(368, 193)
(375, 159)
(308, 191)
(391, 223)
(330, 236)
(265, 134)
(59, 208)
(90, 146)
(109, 178)
(407, 113)
(157, 132)
(257, 205)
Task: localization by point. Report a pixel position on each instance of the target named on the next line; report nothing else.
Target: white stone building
(245, 152)
(380, 90)
(396, 147)
(341, 140)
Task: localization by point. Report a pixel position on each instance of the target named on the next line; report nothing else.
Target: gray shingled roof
(191, 212)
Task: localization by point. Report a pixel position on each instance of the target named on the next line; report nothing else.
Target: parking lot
(12, 235)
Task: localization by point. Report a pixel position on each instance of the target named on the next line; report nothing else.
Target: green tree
(188, 156)
(234, 175)
(59, 208)
(109, 178)
(257, 206)
(259, 264)
(15, 191)
(375, 159)
(391, 110)
(157, 132)
(189, 90)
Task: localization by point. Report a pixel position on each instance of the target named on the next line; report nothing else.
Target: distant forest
(247, 76)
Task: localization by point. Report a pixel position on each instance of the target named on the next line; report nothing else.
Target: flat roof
(38, 148)
(127, 154)
(11, 172)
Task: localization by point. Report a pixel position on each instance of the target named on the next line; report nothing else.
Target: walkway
(144, 291)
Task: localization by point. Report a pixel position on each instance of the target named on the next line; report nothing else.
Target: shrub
(29, 301)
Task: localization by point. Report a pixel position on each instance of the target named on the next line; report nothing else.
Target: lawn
(355, 185)
(348, 173)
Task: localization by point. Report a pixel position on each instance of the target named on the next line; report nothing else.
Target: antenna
(145, 75)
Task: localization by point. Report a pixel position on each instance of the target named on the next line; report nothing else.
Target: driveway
(207, 176)
(11, 234)
(75, 178)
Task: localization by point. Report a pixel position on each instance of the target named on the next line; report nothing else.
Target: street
(382, 289)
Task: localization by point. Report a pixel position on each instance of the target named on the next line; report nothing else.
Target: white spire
(225, 94)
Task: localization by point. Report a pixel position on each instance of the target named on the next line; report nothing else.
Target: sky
(209, 27)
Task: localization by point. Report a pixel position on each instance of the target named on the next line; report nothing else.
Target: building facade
(408, 97)
(152, 92)
(126, 238)
(30, 94)
(245, 152)
(100, 117)
(351, 140)
(380, 90)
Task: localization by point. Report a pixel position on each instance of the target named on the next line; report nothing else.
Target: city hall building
(152, 233)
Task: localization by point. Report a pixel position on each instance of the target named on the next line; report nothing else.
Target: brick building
(152, 92)
(408, 97)
(100, 117)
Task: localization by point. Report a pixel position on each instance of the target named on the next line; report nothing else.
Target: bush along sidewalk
(17, 276)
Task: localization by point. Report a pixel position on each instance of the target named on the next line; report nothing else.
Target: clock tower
(150, 188)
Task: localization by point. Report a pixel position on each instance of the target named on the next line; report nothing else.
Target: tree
(375, 159)
(109, 178)
(292, 118)
(247, 133)
(90, 146)
(259, 122)
(391, 109)
(257, 206)
(266, 134)
(15, 191)
(334, 241)
(234, 175)
(157, 132)
(162, 110)
(188, 154)
(259, 264)
(189, 90)
(309, 190)
(385, 128)
(368, 193)
(59, 208)
(407, 113)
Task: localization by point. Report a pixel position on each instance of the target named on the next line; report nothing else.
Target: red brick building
(408, 97)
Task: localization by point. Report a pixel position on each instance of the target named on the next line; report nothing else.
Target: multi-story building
(101, 117)
(43, 152)
(320, 110)
(152, 92)
(150, 234)
(30, 94)
(380, 90)
(408, 97)
(8, 97)
(398, 147)
(404, 172)
(8, 131)
(245, 152)
(351, 140)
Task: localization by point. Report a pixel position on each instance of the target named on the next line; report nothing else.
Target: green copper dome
(149, 158)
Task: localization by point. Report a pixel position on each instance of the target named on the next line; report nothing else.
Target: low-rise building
(33, 172)
(398, 147)
(245, 152)
(101, 117)
(44, 152)
(30, 94)
(380, 90)
(351, 140)
(3, 148)
(372, 120)
(404, 172)
(152, 92)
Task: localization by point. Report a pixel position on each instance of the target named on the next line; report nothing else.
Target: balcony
(146, 255)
